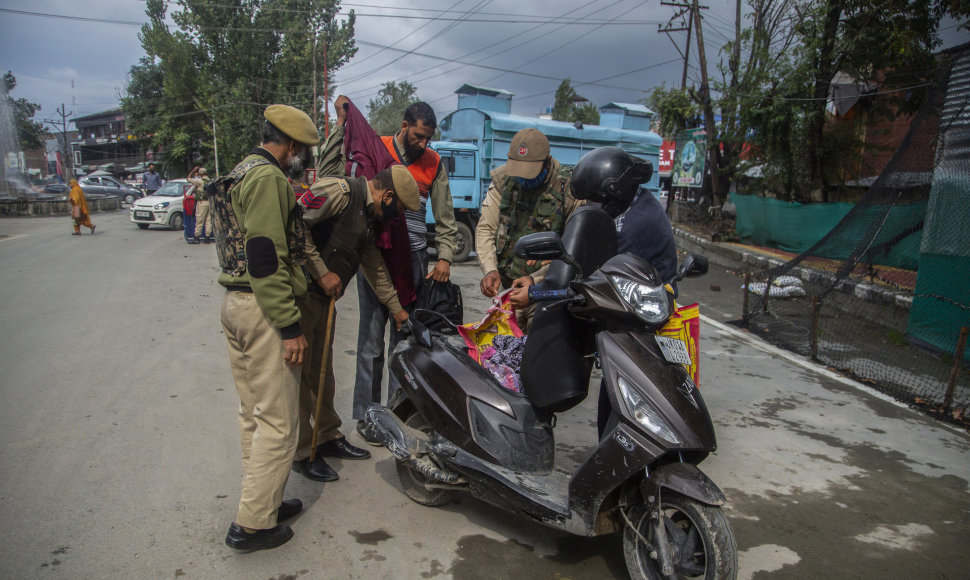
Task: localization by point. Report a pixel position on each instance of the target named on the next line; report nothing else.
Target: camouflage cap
(293, 122)
(406, 187)
(528, 150)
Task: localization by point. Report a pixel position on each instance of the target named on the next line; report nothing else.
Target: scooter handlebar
(536, 295)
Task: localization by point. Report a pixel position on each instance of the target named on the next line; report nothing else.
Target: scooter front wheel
(699, 538)
(417, 485)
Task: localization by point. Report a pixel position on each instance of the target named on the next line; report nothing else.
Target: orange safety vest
(423, 170)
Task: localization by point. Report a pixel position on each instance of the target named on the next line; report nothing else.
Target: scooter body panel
(666, 386)
(466, 405)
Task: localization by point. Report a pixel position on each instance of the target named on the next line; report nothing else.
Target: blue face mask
(535, 181)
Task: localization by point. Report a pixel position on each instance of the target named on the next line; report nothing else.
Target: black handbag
(443, 298)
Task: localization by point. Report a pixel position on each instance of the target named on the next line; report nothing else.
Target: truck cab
(467, 191)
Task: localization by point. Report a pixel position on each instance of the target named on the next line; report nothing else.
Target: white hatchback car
(164, 207)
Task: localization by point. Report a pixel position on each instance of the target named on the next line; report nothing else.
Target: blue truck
(475, 139)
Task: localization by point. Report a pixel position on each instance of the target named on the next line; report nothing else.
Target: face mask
(295, 166)
(390, 210)
(535, 181)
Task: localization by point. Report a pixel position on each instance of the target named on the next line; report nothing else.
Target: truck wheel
(465, 240)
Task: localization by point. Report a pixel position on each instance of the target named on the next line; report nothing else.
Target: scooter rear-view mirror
(539, 246)
(693, 266)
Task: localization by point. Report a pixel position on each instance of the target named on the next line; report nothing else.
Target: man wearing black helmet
(612, 177)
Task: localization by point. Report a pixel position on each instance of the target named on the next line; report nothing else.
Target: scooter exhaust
(407, 444)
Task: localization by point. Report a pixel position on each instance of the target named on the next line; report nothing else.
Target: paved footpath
(119, 451)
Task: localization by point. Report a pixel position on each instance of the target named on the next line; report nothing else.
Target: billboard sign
(666, 158)
(688, 170)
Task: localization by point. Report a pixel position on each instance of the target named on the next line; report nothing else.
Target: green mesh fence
(884, 295)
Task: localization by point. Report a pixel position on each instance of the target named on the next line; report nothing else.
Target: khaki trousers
(313, 320)
(203, 219)
(268, 394)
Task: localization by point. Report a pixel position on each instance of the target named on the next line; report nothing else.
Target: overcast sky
(611, 44)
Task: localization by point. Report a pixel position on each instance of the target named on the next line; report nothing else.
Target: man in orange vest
(409, 147)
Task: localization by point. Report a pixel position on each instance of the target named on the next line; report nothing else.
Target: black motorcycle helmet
(609, 175)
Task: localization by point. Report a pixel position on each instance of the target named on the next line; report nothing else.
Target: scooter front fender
(684, 478)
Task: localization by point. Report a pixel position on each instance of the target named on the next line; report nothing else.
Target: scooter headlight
(649, 302)
(644, 413)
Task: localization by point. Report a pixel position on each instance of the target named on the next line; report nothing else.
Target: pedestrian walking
(79, 209)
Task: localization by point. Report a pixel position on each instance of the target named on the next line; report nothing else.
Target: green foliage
(30, 133)
(782, 108)
(676, 110)
(566, 109)
(587, 114)
(386, 112)
(225, 62)
(562, 109)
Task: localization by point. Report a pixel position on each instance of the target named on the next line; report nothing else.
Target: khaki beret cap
(293, 122)
(528, 150)
(406, 187)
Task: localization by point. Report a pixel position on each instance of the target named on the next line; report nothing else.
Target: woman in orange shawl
(79, 209)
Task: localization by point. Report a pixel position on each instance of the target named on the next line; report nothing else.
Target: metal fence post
(747, 286)
(816, 304)
(955, 371)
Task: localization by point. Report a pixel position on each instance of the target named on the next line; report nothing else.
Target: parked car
(56, 187)
(106, 185)
(164, 207)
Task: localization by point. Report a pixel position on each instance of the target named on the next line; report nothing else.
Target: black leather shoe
(342, 448)
(239, 540)
(288, 509)
(368, 432)
(318, 470)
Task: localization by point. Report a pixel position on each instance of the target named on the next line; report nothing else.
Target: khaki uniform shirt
(333, 187)
(488, 223)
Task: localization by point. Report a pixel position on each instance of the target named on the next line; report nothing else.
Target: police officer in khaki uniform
(261, 322)
(528, 194)
(342, 213)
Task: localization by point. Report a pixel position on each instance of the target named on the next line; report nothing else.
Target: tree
(565, 108)
(386, 112)
(30, 133)
(675, 108)
(222, 64)
(776, 76)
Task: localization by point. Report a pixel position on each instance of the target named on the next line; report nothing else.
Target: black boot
(239, 540)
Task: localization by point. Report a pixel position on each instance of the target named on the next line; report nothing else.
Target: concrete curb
(25, 208)
(733, 257)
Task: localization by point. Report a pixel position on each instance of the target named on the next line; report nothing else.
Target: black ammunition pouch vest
(341, 239)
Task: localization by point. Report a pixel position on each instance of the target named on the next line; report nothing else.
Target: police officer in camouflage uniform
(528, 194)
(263, 277)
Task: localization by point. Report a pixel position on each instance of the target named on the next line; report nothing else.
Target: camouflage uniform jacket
(510, 212)
(269, 220)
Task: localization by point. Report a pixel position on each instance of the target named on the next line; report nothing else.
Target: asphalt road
(119, 449)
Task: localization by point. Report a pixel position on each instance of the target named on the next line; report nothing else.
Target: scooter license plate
(674, 350)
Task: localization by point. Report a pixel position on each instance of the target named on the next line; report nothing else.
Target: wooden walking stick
(327, 342)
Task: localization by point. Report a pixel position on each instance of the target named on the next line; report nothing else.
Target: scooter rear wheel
(418, 486)
(699, 537)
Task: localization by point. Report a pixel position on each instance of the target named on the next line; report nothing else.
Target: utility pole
(316, 105)
(705, 96)
(326, 96)
(215, 145)
(683, 27)
(67, 156)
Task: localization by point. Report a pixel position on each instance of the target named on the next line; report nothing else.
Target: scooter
(453, 428)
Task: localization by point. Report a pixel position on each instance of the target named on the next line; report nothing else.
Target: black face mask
(390, 210)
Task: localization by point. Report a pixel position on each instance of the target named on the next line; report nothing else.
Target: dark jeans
(188, 227)
(374, 317)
